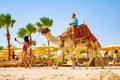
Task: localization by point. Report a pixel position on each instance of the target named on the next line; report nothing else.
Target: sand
(62, 73)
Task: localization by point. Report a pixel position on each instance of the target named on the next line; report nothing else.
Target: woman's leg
(25, 58)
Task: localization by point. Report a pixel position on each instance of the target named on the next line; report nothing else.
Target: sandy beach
(62, 73)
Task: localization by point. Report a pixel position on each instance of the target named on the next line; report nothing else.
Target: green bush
(37, 61)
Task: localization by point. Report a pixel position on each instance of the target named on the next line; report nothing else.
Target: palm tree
(45, 22)
(28, 30)
(6, 22)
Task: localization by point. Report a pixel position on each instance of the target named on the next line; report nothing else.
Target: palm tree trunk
(48, 50)
(63, 57)
(30, 48)
(8, 40)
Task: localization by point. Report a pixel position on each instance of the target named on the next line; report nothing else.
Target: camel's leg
(90, 57)
(58, 59)
(72, 58)
(77, 51)
(102, 64)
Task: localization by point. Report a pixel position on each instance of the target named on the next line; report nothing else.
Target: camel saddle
(78, 32)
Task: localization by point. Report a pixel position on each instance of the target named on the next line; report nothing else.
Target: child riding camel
(67, 32)
(75, 20)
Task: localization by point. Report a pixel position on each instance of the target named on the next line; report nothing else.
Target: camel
(70, 43)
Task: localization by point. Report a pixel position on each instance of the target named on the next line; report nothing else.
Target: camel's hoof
(73, 67)
(54, 67)
(87, 68)
(102, 67)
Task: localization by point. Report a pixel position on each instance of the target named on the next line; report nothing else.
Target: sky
(101, 16)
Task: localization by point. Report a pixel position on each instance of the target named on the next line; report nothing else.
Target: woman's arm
(18, 41)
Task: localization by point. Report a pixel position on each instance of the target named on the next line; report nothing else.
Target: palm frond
(46, 22)
(21, 33)
(30, 29)
(2, 20)
(1, 24)
(12, 22)
(38, 24)
(8, 18)
(5, 20)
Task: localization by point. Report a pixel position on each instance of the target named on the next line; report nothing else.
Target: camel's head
(43, 30)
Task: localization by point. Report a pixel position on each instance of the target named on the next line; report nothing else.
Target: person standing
(25, 48)
(13, 55)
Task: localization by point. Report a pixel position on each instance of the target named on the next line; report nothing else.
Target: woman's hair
(26, 39)
(116, 51)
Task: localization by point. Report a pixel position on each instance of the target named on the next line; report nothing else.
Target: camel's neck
(52, 38)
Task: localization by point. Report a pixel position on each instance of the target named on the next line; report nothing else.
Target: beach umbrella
(111, 47)
(3, 52)
(12, 48)
(40, 52)
(45, 49)
(33, 50)
(2, 57)
(19, 52)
